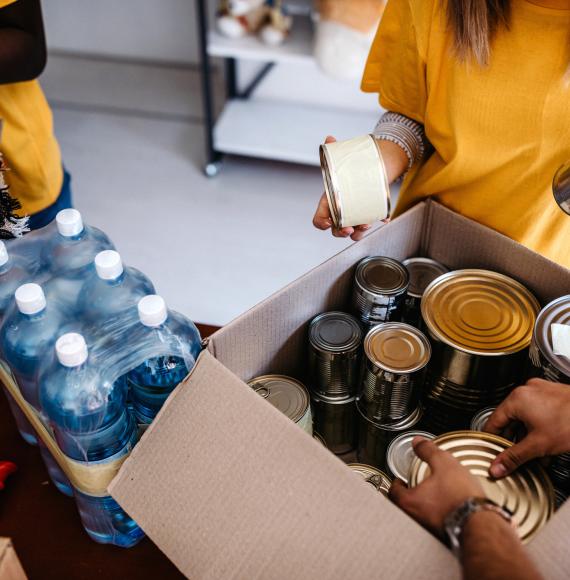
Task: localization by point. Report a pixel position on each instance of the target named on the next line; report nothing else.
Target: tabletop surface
(45, 527)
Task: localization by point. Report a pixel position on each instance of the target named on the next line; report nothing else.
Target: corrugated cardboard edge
(228, 487)
(10, 567)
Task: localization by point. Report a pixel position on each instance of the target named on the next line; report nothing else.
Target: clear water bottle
(91, 423)
(70, 252)
(27, 338)
(113, 291)
(14, 271)
(152, 381)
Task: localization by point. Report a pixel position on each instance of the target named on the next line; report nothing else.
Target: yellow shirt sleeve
(396, 67)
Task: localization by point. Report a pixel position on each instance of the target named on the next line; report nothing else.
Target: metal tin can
(319, 438)
(380, 286)
(374, 438)
(480, 419)
(396, 357)
(376, 478)
(527, 492)
(423, 271)
(401, 455)
(335, 420)
(288, 395)
(550, 366)
(356, 183)
(559, 498)
(559, 471)
(480, 325)
(335, 339)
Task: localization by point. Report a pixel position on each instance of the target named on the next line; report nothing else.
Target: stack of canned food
(425, 351)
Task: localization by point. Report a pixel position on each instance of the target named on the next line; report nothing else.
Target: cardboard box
(228, 487)
(10, 567)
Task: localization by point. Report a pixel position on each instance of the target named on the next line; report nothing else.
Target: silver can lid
(381, 275)
(285, 393)
(556, 312)
(401, 455)
(480, 418)
(397, 347)
(423, 271)
(335, 332)
(320, 398)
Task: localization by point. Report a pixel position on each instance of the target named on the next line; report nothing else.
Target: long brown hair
(474, 23)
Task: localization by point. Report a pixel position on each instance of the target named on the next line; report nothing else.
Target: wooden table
(46, 529)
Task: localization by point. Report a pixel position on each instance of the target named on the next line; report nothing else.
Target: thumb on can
(509, 459)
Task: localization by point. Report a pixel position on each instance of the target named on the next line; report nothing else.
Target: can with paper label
(356, 183)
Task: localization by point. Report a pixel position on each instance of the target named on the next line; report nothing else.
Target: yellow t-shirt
(29, 145)
(499, 132)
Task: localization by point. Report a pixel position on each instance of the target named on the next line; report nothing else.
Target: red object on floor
(6, 468)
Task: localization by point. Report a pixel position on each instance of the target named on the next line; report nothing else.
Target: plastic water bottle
(14, 271)
(113, 291)
(27, 337)
(91, 423)
(70, 252)
(152, 381)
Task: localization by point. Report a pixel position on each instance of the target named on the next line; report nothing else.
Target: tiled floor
(132, 139)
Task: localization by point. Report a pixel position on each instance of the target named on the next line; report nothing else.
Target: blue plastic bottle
(152, 381)
(113, 290)
(70, 252)
(27, 338)
(91, 424)
(14, 271)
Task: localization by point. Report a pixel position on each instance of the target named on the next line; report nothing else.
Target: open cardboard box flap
(228, 487)
(10, 567)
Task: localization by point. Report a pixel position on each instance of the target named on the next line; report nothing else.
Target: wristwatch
(456, 520)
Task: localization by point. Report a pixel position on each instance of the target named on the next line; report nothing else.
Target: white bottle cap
(108, 264)
(3, 253)
(71, 349)
(69, 222)
(152, 310)
(30, 298)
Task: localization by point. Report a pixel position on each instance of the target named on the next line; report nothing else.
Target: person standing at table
(478, 101)
(36, 179)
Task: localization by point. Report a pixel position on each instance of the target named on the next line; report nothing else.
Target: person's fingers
(428, 451)
(505, 413)
(322, 219)
(330, 139)
(513, 457)
(398, 492)
(342, 232)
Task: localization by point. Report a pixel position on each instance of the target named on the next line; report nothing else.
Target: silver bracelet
(404, 132)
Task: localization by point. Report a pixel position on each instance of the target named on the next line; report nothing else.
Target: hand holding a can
(448, 486)
(544, 409)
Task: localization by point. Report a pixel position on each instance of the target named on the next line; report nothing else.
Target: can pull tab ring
(261, 390)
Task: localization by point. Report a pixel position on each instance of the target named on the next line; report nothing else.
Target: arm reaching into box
(490, 547)
(544, 409)
(396, 162)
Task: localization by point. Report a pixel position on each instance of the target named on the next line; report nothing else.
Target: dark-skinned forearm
(491, 550)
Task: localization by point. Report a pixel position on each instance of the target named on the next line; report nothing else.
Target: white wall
(146, 29)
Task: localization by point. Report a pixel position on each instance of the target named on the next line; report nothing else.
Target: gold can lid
(381, 275)
(480, 312)
(376, 478)
(423, 271)
(527, 493)
(397, 347)
(285, 393)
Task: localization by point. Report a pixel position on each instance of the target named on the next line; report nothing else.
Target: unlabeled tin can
(559, 471)
(401, 455)
(527, 492)
(380, 286)
(559, 498)
(335, 339)
(423, 271)
(480, 325)
(374, 438)
(551, 366)
(335, 420)
(480, 418)
(396, 357)
(374, 477)
(319, 438)
(356, 183)
(287, 395)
